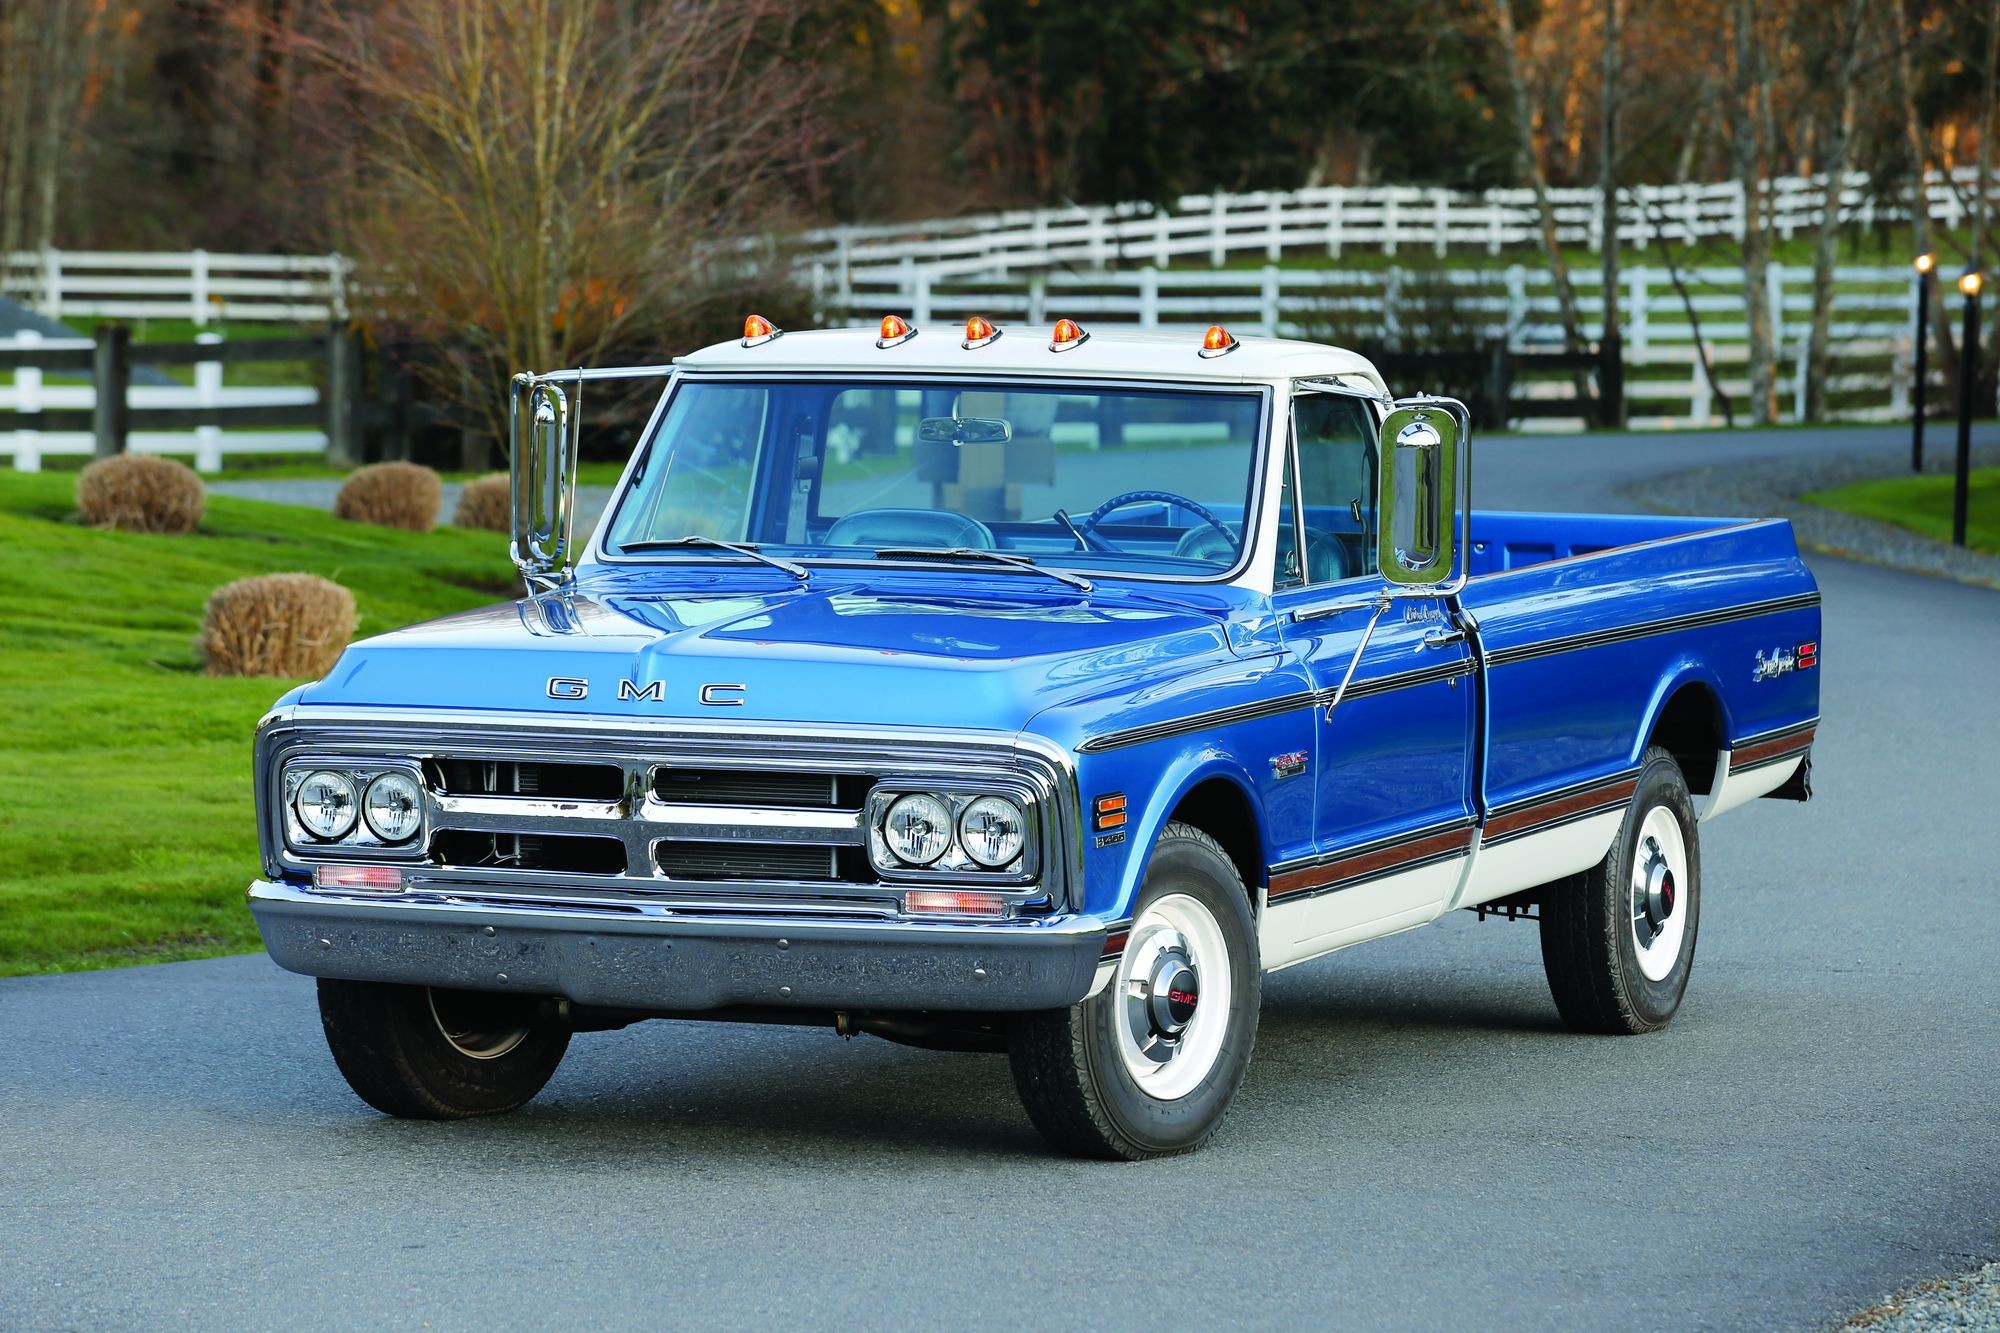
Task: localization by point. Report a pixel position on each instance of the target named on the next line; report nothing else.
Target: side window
(1335, 436)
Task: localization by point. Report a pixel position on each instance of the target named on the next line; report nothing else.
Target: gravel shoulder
(1774, 486)
(1970, 1300)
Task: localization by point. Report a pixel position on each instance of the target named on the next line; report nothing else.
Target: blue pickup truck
(1021, 694)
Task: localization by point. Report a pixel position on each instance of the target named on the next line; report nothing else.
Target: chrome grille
(706, 818)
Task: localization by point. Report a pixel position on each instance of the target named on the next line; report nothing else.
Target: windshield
(1148, 482)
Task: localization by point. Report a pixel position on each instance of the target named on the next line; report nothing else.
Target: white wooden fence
(1870, 330)
(1213, 229)
(197, 286)
(209, 445)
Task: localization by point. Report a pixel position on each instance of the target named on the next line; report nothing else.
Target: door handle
(1443, 638)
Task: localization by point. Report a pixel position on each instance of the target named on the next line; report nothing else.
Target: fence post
(1149, 297)
(50, 302)
(198, 288)
(1517, 302)
(1269, 308)
(1700, 410)
(1642, 302)
(1493, 212)
(1333, 221)
(1799, 382)
(1038, 296)
(1774, 291)
(1901, 373)
(338, 267)
(110, 377)
(1217, 248)
(1274, 227)
(27, 398)
(1389, 222)
(1440, 223)
(207, 393)
(343, 397)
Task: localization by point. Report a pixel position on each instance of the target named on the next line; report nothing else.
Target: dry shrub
(486, 503)
(276, 625)
(139, 493)
(392, 495)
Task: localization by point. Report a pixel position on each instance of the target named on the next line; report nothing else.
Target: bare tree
(1530, 161)
(1849, 20)
(538, 178)
(1749, 140)
(45, 49)
(1610, 97)
(1917, 144)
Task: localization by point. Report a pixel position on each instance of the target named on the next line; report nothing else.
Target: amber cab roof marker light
(1068, 334)
(757, 331)
(895, 331)
(1217, 342)
(979, 331)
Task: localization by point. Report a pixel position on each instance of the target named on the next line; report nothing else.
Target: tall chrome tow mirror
(544, 428)
(544, 431)
(1419, 538)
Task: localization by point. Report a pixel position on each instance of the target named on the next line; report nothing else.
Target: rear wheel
(435, 1054)
(1147, 1067)
(1618, 940)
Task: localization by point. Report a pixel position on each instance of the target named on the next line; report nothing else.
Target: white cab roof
(1025, 351)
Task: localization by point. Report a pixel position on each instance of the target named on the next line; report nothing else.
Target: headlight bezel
(955, 865)
(360, 840)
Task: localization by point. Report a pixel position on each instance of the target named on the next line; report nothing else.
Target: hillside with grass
(126, 826)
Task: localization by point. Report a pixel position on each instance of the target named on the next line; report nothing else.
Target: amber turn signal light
(1068, 334)
(1217, 341)
(1110, 811)
(758, 330)
(894, 330)
(979, 331)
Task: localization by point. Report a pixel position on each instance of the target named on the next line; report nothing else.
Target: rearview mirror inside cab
(1419, 487)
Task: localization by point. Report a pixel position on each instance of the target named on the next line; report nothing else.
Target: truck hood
(842, 653)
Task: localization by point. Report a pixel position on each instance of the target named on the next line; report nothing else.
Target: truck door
(1392, 768)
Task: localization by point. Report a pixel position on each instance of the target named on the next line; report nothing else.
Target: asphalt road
(1418, 1143)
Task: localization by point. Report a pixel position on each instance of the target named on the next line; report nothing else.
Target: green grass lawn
(126, 830)
(1923, 504)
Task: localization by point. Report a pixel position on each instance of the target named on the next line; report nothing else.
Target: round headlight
(393, 807)
(918, 829)
(991, 831)
(326, 804)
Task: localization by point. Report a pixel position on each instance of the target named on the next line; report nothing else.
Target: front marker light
(326, 805)
(393, 807)
(991, 830)
(918, 828)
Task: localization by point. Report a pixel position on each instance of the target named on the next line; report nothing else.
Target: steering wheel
(1087, 525)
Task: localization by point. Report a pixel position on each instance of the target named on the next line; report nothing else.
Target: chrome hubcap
(1659, 876)
(1172, 995)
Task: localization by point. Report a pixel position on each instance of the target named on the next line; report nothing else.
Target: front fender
(1155, 779)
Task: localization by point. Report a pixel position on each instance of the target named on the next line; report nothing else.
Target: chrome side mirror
(1418, 498)
(544, 428)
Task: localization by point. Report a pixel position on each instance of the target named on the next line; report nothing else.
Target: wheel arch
(1688, 716)
(1212, 792)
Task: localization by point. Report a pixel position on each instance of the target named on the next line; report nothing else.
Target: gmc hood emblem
(570, 688)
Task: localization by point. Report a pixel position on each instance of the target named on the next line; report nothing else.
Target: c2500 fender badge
(1288, 765)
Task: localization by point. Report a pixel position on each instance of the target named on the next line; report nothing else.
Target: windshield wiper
(744, 549)
(975, 553)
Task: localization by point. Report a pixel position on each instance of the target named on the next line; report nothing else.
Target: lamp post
(1968, 369)
(1926, 264)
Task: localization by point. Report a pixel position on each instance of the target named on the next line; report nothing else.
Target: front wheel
(431, 1054)
(1618, 940)
(1147, 1066)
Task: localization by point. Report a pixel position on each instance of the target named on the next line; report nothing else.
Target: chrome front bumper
(671, 962)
